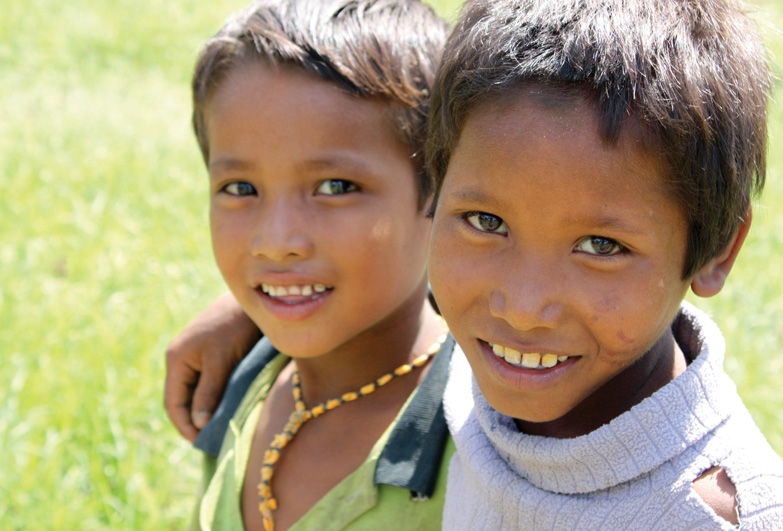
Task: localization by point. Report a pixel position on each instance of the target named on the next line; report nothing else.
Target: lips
(298, 290)
(532, 376)
(528, 360)
(293, 301)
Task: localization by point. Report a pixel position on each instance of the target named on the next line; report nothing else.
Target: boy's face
(314, 217)
(548, 242)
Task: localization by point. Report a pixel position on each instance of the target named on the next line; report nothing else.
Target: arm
(200, 360)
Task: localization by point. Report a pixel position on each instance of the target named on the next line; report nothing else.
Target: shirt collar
(411, 458)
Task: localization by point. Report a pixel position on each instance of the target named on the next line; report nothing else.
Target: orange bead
(405, 369)
(383, 380)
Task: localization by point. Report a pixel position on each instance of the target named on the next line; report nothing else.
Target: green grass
(105, 255)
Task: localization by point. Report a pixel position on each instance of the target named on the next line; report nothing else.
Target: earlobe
(710, 279)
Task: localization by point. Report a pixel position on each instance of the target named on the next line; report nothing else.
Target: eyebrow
(229, 164)
(340, 162)
(475, 196)
(605, 223)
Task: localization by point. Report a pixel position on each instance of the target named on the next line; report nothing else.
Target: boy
(310, 115)
(594, 160)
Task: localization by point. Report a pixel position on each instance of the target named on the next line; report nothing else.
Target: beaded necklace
(301, 414)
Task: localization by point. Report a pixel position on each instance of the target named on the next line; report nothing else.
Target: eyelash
(350, 185)
(227, 189)
(615, 246)
(485, 216)
(347, 188)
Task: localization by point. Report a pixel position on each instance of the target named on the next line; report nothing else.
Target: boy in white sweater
(594, 160)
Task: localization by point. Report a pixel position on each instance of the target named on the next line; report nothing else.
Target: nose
(528, 296)
(282, 232)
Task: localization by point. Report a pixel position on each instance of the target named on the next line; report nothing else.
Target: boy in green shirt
(311, 117)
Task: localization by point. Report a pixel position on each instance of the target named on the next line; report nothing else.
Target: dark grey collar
(411, 458)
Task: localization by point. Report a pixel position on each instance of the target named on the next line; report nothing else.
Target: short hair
(692, 73)
(386, 49)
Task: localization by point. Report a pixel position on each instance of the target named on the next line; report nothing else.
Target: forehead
(546, 131)
(271, 92)
(268, 113)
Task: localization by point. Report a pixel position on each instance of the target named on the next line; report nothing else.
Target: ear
(709, 280)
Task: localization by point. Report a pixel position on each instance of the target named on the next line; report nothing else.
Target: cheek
(452, 278)
(380, 232)
(229, 244)
(628, 325)
(220, 243)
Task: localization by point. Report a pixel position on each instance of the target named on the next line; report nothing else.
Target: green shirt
(363, 500)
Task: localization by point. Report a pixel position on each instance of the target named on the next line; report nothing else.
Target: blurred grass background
(105, 255)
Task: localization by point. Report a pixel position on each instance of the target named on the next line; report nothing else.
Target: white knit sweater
(633, 473)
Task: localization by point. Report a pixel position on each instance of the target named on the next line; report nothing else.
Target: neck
(663, 362)
(398, 339)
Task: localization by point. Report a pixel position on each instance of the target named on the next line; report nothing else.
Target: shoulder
(210, 438)
(717, 491)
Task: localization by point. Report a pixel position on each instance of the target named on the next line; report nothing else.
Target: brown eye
(487, 222)
(336, 187)
(599, 245)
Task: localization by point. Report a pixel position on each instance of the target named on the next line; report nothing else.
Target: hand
(200, 360)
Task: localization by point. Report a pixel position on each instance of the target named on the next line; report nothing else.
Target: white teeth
(530, 360)
(305, 290)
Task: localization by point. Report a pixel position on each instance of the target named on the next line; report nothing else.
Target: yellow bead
(405, 369)
(280, 440)
(434, 348)
(273, 504)
(268, 525)
(271, 457)
(296, 418)
(383, 380)
(300, 406)
(421, 360)
(297, 393)
(333, 403)
(367, 389)
(318, 410)
(348, 397)
(266, 472)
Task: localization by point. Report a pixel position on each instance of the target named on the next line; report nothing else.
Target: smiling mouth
(527, 360)
(294, 294)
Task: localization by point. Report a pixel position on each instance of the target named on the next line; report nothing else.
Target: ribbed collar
(619, 451)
